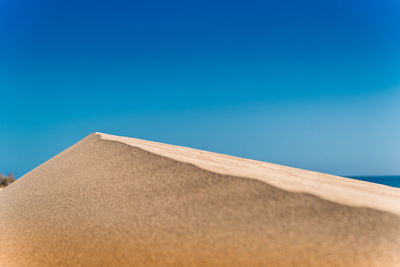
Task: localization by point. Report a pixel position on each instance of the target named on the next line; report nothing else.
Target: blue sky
(310, 84)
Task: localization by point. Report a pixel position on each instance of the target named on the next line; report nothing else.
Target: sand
(118, 201)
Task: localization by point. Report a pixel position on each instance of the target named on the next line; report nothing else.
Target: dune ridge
(116, 201)
(335, 188)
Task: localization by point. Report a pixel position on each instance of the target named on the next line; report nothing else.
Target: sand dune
(117, 201)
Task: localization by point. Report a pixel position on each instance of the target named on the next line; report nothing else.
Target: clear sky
(310, 84)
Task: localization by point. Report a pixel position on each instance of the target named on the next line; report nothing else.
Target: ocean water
(386, 180)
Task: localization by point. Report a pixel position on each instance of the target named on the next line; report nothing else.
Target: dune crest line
(334, 188)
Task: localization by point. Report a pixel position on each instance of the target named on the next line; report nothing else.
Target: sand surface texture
(117, 201)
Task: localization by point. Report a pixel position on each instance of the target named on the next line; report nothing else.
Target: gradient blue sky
(310, 84)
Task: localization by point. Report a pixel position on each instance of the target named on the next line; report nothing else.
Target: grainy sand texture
(118, 201)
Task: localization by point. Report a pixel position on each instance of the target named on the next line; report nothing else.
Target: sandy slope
(116, 201)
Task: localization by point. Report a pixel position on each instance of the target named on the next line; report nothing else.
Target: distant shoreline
(390, 180)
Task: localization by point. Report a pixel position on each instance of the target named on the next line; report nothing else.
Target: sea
(393, 180)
